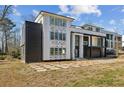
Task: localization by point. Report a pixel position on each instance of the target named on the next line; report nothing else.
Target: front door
(77, 44)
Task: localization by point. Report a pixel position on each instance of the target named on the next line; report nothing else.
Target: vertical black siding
(33, 44)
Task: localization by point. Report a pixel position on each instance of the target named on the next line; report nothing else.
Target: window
(64, 36)
(107, 36)
(56, 36)
(64, 23)
(77, 40)
(51, 51)
(85, 42)
(60, 22)
(56, 51)
(108, 44)
(52, 20)
(60, 36)
(99, 42)
(56, 21)
(90, 28)
(111, 37)
(52, 35)
(97, 29)
(64, 51)
(60, 51)
(111, 44)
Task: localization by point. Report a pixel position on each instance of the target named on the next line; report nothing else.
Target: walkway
(48, 66)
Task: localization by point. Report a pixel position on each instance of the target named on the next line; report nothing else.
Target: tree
(5, 12)
(6, 26)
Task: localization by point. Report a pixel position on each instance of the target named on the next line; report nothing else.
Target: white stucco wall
(123, 40)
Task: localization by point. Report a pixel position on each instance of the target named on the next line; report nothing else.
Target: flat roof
(92, 25)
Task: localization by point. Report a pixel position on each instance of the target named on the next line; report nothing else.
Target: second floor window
(57, 36)
(60, 36)
(97, 29)
(52, 20)
(64, 36)
(58, 21)
(52, 35)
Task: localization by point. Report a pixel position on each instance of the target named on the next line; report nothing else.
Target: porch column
(105, 47)
(73, 46)
(89, 41)
(101, 47)
(90, 46)
(81, 47)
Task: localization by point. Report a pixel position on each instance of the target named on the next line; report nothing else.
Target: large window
(51, 51)
(96, 41)
(109, 36)
(64, 23)
(111, 44)
(90, 28)
(52, 20)
(57, 21)
(76, 40)
(64, 36)
(60, 36)
(60, 51)
(97, 29)
(52, 35)
(56, 35)
(57, 51)
(64, 51)
(110, 41)
(99, 42)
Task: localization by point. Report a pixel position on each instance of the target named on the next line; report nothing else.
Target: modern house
(53, 37)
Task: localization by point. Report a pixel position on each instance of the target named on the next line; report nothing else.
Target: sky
(111, 17)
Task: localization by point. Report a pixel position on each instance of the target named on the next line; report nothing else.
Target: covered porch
(87, 46)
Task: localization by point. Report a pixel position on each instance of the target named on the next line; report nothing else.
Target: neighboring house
(52, 37)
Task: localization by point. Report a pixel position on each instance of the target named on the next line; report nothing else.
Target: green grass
(19, 74)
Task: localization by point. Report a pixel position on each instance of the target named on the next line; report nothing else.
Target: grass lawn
(19, 74)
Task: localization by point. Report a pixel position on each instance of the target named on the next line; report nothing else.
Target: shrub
(15, 54)
(2, 57)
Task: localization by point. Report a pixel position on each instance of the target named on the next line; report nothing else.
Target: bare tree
(6, 26)
(7, 9)
(7, 30)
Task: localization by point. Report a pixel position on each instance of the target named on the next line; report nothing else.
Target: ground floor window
(57, 51)
(51, 51)
(64, 51)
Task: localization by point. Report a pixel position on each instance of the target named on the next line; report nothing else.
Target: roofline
(93, 26)
(110, 32)
(53, 14)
